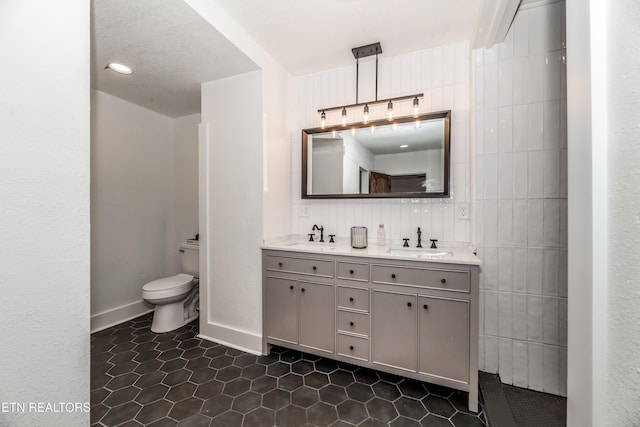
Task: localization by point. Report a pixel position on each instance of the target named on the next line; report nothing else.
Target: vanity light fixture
(362, 52)
(119, 68)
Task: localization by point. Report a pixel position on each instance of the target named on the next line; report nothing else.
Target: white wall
(521, 192)
(144, 202)
(232, 196)
(44, 219)
(442, 75)
(623, 185)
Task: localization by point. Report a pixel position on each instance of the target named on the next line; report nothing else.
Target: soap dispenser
(381, 235)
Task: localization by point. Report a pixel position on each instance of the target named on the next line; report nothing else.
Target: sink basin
(312, 246)
(419, 253)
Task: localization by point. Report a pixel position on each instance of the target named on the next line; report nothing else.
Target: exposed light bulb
(119, 68)
(323, 120)
(404, 146)
(418, 124)
(373, 128)
(390, 110)
(365, 118)
(416, 107)
(344, 116)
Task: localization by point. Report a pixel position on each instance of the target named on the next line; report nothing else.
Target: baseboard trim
(118, 315)
(231, 337)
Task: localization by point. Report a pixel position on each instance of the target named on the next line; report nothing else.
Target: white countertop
(454, 254)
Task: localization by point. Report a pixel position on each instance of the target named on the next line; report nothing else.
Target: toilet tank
(189, 258)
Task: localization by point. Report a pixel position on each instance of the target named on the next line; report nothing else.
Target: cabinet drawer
(354, 298)
(315, 267)
(353, 271)
(355, 347)
(430, 278)
(357, 323)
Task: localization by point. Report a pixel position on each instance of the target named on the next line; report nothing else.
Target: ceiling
(172, 49)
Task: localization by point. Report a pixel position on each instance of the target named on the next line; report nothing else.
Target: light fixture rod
(357, 77)
(399, 98)
(376, 77)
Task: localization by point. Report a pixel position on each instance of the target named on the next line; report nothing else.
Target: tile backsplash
(442, 74)
(519, 107)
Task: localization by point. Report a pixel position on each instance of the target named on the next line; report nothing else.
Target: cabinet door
(394, 330)
(282, 309)
(444, 338)
(317, 315)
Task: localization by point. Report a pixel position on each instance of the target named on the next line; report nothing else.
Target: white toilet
(176, 298)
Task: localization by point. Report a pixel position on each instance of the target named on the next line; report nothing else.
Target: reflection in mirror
(408, 157)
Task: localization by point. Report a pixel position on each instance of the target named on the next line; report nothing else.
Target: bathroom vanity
(412, 313)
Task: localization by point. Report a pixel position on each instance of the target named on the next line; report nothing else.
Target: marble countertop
(448, 254)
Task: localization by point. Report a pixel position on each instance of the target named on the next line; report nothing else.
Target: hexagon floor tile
(139, 378)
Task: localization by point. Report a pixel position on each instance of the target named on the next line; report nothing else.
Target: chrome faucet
(321, 229)
(419, 238)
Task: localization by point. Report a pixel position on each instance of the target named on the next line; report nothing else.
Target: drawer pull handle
(443, 281)
(351, 323)
(393, 276)
(351, 299)
(302, 289)
(350, 271)
(279, 264)
(351, 347)
(291, 287)
(408, 304)
(426, 307)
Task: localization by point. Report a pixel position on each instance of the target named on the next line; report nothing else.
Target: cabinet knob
(443, 280)
(426, 307)
(393, 276)
(350, 271)
(291, 287)
(351, 299)
(408, 304)
(351, 323)
(351, 347)
(279, 264)
(315, 268)
(302, 289)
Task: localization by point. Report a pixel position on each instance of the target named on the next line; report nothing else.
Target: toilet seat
(168, 286)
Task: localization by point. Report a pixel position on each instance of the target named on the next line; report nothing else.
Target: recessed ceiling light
(119, 68)
(404, 146)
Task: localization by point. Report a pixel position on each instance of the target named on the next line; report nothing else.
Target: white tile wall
(519, 104)
(442, 74)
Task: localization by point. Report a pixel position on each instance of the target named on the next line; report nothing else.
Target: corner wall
(44, 219)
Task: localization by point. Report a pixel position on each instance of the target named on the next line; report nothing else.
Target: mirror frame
(446, 115)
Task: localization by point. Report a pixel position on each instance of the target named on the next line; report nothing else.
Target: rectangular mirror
(404, 158)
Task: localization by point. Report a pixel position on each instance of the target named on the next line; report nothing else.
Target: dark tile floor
(176, 379)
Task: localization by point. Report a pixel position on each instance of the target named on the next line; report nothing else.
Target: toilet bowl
(176, 298)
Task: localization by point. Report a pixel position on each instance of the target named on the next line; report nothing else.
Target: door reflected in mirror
(404, 158)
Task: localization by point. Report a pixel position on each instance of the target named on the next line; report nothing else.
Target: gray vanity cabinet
(412, 318)
(394, 330)
(444, 338)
